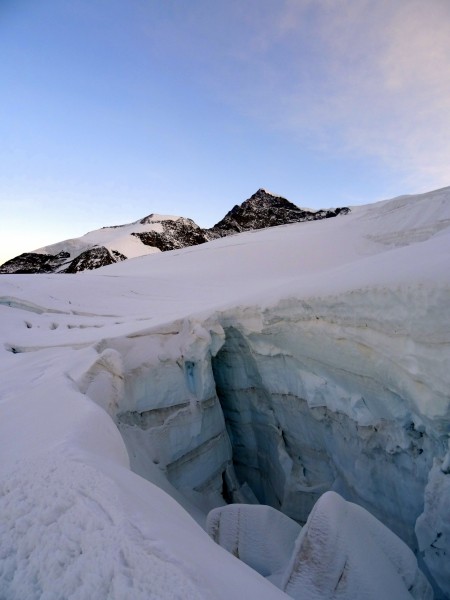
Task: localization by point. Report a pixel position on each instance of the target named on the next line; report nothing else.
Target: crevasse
(278, 406)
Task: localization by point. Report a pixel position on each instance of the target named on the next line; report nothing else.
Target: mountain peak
(157, 218)
(263, 197)
(157, 232)
(265, 209)
(265, 192)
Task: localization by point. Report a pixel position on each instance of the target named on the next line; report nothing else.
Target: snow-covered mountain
(300, 369)
(158, 233)
(106, 246)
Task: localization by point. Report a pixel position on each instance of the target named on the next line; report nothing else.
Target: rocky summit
(265, 209)
(159, 233)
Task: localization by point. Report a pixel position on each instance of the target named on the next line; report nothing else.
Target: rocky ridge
(176, 234)
(156, 233)
(265, 209)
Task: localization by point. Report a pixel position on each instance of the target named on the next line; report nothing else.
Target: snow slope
(269, 366)
(118, 238)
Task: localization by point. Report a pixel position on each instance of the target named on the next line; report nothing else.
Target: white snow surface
(262, 537)
(113, 238)
(344, 552)
(349, 314)
(325, 558)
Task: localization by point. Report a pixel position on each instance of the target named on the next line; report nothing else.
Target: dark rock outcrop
(264, 209)
(94, 258)
(176, 234)
(32, 262)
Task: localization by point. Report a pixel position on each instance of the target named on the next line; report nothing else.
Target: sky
(111, 110)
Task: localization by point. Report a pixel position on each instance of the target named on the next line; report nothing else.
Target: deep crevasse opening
(289, 453)
(237, 426)
(260, 419)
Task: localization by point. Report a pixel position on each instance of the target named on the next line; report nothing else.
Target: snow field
(331, 340)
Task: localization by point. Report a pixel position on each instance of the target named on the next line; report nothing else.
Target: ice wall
(170, 416)
(347, 394)
(279, 405)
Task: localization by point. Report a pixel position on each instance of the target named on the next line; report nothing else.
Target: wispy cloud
(351, 76)
(393, 99)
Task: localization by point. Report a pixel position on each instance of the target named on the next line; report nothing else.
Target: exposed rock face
(264, 209)
(160, 233)
(96, 257)
(176, 234)
(32, 262)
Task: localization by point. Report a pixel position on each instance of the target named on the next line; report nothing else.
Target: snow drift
(324, 559)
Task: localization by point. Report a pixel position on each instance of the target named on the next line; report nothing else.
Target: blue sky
(114, 109)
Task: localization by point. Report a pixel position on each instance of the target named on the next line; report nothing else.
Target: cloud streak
(350, 77)
(387, 84)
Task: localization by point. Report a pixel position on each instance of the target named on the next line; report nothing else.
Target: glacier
(284, 367)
